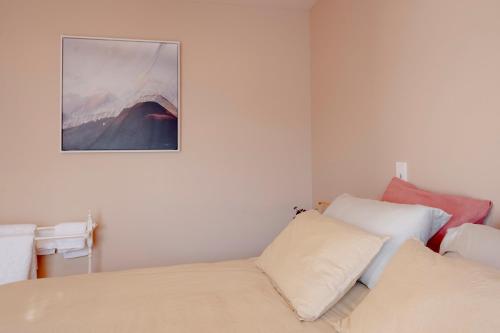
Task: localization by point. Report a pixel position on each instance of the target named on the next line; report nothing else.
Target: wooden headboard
(322, 205)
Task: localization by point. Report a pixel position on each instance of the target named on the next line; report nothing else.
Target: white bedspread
(17, 259)
(222, 297)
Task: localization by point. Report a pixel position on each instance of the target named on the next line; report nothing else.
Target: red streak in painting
(160, 117)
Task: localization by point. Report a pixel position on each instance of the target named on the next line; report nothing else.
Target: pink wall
(245, 132)
(391, 80)
(412, 80)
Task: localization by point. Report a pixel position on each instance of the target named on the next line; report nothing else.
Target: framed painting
(119, 95)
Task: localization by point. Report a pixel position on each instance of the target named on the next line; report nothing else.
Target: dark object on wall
(298, 210)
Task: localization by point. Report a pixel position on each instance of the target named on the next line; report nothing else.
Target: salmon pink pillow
(464, 210)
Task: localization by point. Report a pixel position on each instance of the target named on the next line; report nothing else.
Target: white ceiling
(293, 4)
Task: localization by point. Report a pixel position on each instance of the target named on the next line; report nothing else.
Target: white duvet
(231, 296)
(17, 255)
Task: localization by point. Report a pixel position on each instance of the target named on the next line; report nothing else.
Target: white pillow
(474, 242)
(316, 260)
(423, 292)
(400, 222)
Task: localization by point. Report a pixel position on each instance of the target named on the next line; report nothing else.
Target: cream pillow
(316, 260)
(423, 292)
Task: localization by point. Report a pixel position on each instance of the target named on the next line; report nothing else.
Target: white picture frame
(85, 105)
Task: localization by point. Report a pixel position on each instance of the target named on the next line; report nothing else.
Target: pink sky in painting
(102, 77)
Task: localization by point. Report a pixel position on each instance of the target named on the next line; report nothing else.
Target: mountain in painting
(150, 124)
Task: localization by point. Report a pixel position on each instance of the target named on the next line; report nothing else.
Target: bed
(305, 281)
(232, 296)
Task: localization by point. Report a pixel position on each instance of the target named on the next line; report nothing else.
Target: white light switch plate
(402, 170)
